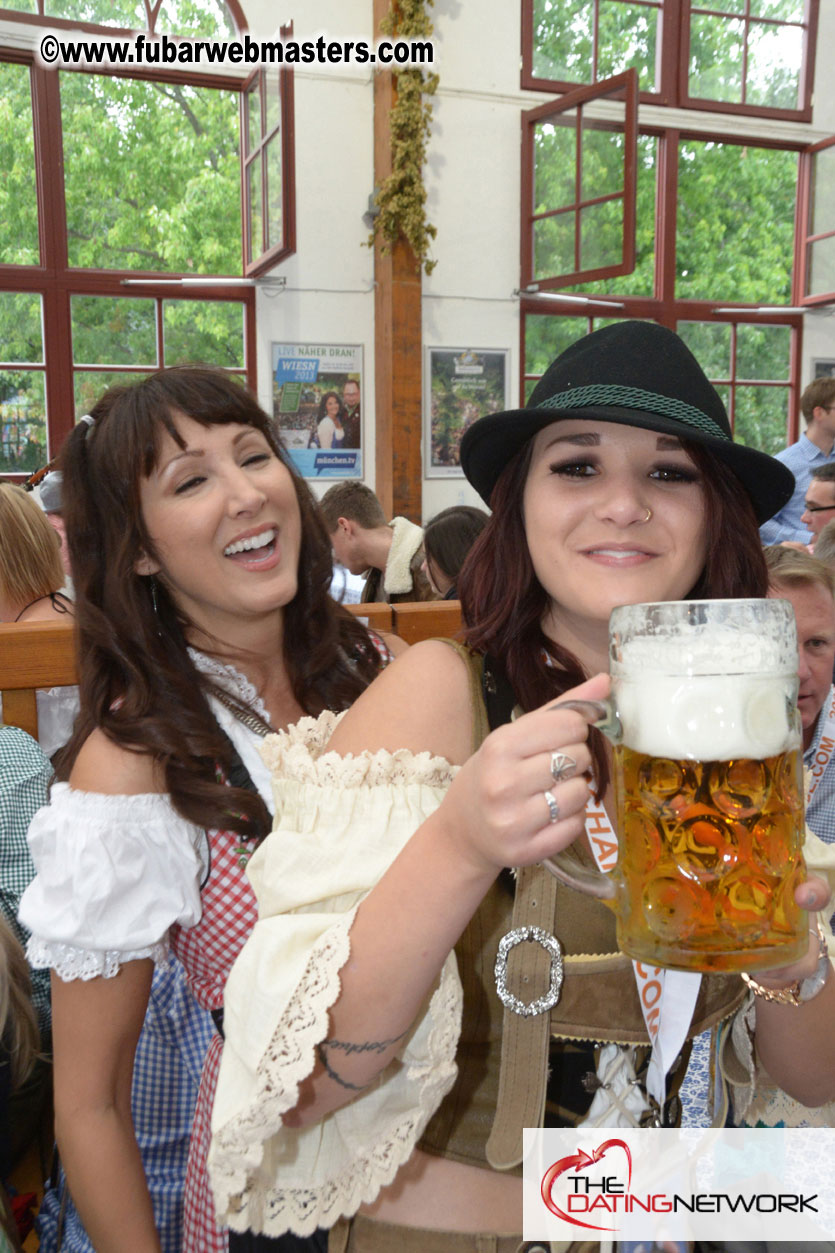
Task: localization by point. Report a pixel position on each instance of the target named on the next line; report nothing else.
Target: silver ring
(553, 807)
(562, 767)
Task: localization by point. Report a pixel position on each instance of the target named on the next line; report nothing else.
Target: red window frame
(803, 113)
(805, 236)
(673, 53)
(625, 85)
(265, 257)
(55, 281)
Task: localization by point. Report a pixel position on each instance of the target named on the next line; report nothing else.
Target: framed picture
(317, 407)
(824, 369)
(461, 385)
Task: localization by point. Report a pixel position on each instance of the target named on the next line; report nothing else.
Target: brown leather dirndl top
(504, 1058)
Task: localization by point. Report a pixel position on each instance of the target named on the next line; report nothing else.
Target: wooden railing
(33, 655)
(42, 654)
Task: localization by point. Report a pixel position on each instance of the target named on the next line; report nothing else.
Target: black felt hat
(638, 374)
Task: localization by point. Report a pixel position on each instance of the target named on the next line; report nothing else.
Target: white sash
(668, 997)
(825, 749)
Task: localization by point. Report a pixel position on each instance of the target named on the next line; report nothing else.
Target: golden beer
(709, 858)
(708, 783)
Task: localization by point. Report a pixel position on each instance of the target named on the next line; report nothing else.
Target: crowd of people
(275, 862)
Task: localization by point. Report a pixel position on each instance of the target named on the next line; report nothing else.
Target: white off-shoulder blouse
(115, 873)
(340, 822)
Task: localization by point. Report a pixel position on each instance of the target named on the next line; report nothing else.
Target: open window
(267, 162)
(815, 261)
(579, 174)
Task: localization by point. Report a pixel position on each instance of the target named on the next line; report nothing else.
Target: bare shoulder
(102, 766)
(420, 702)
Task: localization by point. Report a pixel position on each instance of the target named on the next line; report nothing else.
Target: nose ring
(649, 515)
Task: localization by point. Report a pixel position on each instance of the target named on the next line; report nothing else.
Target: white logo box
(653, 1184)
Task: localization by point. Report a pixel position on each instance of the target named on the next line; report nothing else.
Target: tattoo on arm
(367, 1046)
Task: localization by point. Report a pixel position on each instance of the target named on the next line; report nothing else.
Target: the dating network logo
(593, 1188)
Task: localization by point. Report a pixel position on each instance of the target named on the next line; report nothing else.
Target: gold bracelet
(803, 990)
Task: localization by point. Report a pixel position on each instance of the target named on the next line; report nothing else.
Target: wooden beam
(397, 338)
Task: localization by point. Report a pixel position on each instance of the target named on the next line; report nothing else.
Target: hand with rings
(523, 795)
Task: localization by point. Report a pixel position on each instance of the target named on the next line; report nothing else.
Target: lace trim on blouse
(231, 680)
(81, 963)
(298, 754)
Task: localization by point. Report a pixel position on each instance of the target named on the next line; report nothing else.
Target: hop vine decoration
(401, 198)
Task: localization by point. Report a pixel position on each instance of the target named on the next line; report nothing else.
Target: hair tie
(89, 421)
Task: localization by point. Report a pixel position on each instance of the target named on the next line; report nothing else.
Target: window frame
(576, 100)
(55, 281)
(268, 257)
(672, 60)
(663, 306)
(801, 114)
(803, 236)
(668, 67)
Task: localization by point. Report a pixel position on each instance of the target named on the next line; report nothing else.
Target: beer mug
(708, 780)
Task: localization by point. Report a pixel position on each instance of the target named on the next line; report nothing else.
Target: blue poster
(317, 407)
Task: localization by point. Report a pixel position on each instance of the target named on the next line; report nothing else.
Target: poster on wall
(463, 384)
(824, 369)
(317, 406)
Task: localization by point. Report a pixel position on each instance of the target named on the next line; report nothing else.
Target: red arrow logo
(581, 1161)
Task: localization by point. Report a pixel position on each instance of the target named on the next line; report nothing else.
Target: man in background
(351, 421)
(810, 587)
(813, 449)
(363, 541)
(819, 501)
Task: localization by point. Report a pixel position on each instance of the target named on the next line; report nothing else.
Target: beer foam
(690, 701)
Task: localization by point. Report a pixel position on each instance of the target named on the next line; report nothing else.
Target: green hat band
(634, 398)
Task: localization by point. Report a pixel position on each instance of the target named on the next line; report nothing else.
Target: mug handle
(566, 864)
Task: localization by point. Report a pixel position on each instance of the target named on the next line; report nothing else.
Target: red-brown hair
(503, 603)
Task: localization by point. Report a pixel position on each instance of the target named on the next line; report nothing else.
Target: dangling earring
(155, 606)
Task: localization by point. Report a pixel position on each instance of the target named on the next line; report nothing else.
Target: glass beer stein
(708, 781)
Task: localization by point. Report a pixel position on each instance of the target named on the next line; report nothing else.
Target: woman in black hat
(378, 1071)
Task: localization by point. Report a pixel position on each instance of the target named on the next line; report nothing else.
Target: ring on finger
(562, 767)
(553, 807)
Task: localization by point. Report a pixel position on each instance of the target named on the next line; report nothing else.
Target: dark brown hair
(136, 678)
(824, 473)
(503, 603)
(449, 536)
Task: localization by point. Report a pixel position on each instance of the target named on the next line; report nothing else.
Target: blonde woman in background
(31, 579)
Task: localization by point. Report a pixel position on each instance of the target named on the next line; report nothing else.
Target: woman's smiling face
(613, 515)
(224, 522)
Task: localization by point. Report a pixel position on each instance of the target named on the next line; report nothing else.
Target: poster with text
(317, 406)
(464, 384)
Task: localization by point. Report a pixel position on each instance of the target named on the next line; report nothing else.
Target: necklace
(55, 599)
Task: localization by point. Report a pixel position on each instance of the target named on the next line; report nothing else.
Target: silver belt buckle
(552, 946)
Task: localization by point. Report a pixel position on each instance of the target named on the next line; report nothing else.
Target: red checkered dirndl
(207, 952)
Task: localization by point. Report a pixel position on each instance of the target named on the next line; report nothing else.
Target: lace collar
(231, 680)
